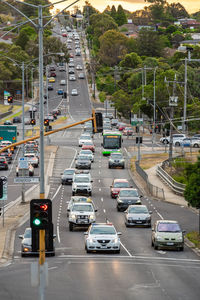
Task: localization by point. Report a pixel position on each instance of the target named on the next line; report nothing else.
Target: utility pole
(154, 108)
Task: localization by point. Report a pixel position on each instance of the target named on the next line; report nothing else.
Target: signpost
(26, 179)
(6, 95)
(5, 193)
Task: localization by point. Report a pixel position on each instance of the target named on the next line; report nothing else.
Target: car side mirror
(102, 144)
(20, 236)
(68, 210)
(152, 229)
(54, 236)
(85, 233)
(96, 210)
(150, 212)
(61, 173)
(91, 181)
(183, 231)
(119, 233)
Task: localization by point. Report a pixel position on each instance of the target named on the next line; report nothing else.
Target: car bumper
(99, 247)
(82, 192)
(66, 181)
(138, 222)
(170, 245)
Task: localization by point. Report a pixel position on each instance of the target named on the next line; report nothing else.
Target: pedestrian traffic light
(46, 122)
(1, 188)
(33, 122)
(40, 213)
(138, 140)
(10, 99)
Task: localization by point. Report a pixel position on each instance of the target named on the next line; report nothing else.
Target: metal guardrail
(177, 187)
(153, 190)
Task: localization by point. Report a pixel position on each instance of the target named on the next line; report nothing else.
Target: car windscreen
(102, 230)
(27, 234)
(69, 172)
(168, 227)
(82, 208)
(83, 157)
(128, 193)
(121, 185)
(138, 210)
(86, 152)
(81, 179)
(116, 156)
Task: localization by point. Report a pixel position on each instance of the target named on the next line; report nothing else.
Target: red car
(64, 35)
(71, 55)
(88, 146)
(52, 74)
(122, 126)
(117, 185)
(128, 131)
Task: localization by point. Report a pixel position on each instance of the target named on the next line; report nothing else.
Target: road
(138, 272)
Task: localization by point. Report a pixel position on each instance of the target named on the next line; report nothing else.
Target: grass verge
(194, 237)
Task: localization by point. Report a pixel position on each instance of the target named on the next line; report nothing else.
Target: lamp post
(154, 107)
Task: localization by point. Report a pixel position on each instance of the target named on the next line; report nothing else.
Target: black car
(50, 87)
(3, 163)
(67, 176)
(126, 197)
(17, 120)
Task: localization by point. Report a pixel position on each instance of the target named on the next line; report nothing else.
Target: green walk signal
(37, 222)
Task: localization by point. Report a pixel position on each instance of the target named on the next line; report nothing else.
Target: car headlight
(115, 241)
(158, 238)
(91, 217)
(119, 200)
(90, 240)
(180, 238)
(73, 216)
(148, 218)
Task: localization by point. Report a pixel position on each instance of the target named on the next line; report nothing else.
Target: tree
(100, 23)
(120, 16)
(131, 60)
(113, 13)
(112, 47)
(149, 43)
(192, 190)
(122, 102)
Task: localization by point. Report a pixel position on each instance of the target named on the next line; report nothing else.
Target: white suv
(81, 215)
(176, 138)
(82, 184)
(102, 237)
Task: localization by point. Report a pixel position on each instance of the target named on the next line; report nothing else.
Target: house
(189, 23)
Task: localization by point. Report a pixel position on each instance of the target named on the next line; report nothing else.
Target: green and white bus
(112, 142)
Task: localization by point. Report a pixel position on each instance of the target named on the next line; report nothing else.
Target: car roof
(137, 205)
(120, 180)
(132, 189)
(102, 224)
(167, 221)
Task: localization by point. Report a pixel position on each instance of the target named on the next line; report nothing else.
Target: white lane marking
(99, 189)
(58, 189)
(101, 199)
(52, 268)
(125, 249)
(99, 180)
(58, 234)
(99, 171)
(160, 215)
(104, 211)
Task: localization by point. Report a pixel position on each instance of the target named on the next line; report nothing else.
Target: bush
(102, 96)
(180, 178)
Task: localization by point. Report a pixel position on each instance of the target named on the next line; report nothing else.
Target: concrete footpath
(18, 213)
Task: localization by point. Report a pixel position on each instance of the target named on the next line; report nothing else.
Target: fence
(152, 189)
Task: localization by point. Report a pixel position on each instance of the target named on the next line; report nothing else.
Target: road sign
(26, 179)
(5, 188)
(23, 163)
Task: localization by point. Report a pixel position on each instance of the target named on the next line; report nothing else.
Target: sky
(131, 5)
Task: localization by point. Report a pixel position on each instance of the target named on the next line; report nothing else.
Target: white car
(81, 215)
(79, 67)
(63, 82)
(89, 153)
(72, 77)
(82, 184)
(83, 139)
(102, 237)
(176, 138)
(74, 92)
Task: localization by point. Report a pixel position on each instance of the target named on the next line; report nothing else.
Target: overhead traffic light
(10, 99)
(46, 122)
(33, 122)
(40, 213)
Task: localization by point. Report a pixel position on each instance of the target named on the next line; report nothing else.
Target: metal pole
(170, 140)
(138, 143)
(41, 91)
(23, 130)
(154, 107)
(32, 93)
(47, 90)
(185, 98)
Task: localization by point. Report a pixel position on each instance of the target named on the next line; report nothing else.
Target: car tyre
(196, 146)
(181, 249)
(118, 208)
(90, 193)
(88, 251)
(73, 193)
(117, 251)
(71, 227)
(177, 144)
(109, 167)
(155, 247)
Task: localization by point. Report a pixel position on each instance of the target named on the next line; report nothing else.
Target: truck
(8, 133)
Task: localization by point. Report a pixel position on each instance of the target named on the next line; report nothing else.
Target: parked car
(102, 237)
(167, 234)
(126, 197)
(137, 215)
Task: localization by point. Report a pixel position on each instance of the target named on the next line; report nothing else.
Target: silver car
(116, 160)
(137, 215)
(74, 92)
(83, 162)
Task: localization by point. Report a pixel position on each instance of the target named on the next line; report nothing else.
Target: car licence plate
(139, 222)
(170, 244)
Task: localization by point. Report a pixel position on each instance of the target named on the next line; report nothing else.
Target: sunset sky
(131, 5)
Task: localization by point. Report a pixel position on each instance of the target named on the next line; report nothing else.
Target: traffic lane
(106, 278)
(137, 240)
(72, 243)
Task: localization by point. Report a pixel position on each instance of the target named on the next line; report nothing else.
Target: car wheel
(117, 251)
(6, 168)
(123, 167)
(118, 208)
(177, 144)
(126, 225)
(88, 251)
(181, 248)
(165, 142)
(109, 167)
(155, 247)
(152, 244)
(196, 146)
(73, 193)
(71, 226)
